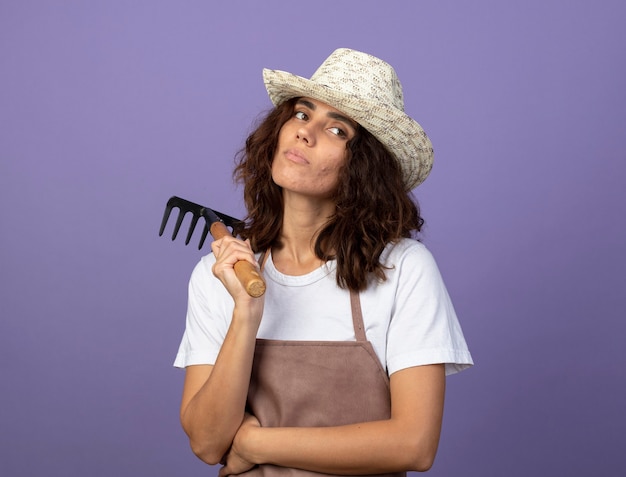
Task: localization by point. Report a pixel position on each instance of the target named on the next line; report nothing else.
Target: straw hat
(368, 90)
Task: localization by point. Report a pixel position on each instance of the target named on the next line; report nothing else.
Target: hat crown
(361, 75)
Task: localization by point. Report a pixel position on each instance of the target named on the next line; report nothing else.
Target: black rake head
(184, 206)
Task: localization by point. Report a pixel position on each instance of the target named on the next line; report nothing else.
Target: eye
(301, 115)
(338, 132)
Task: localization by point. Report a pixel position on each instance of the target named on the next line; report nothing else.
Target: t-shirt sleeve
(207, 317)
(424, 328)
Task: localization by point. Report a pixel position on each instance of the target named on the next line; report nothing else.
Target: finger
(232, 252)
(226, 244)
(215, 248)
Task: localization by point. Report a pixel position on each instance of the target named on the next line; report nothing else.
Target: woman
(340, 367)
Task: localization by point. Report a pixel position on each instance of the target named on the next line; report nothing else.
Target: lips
(294, 155)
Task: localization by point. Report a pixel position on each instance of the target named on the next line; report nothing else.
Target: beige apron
(317, 384)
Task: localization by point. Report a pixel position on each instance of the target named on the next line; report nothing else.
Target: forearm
(365, 448)
(211, 418)
(407, 441)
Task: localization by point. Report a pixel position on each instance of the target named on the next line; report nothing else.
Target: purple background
(107, 108)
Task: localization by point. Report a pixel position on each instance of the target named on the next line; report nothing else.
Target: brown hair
(373, 207)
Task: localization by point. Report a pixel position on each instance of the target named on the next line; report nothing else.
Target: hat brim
(399, 133)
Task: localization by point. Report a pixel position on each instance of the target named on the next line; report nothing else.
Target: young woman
(339, 368)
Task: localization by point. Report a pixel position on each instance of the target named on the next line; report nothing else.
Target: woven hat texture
(368, 90)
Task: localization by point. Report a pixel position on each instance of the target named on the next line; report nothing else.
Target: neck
(303, 219)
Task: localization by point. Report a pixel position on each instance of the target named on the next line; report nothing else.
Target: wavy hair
(372, 206)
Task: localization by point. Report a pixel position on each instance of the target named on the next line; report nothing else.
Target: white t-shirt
(409, 318)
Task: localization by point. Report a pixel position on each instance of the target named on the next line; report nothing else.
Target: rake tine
(179, 221)
(210, 217)
(205, 233)
(171, 204)
(192, 227)
(166, 215)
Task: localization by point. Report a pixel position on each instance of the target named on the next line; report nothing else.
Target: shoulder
(202, 273)
(204, 265)
(408, 253)
(203, 284)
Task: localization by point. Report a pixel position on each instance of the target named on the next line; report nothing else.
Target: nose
(306, 134)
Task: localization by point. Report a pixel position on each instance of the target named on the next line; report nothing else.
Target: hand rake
(216, 223)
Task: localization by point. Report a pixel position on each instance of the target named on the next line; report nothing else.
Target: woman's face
(312, 149)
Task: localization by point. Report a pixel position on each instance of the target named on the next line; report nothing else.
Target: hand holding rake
(215, 223)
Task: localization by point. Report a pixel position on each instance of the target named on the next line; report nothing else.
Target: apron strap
(357, 316)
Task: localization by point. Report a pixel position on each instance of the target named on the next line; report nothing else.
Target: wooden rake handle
(246, 273)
